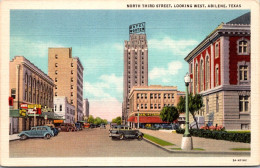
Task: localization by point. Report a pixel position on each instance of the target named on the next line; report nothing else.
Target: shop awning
(146, 119)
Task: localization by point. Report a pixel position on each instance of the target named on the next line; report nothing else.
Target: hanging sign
(137, 28)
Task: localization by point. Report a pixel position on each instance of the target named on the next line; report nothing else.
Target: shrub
(218, 133)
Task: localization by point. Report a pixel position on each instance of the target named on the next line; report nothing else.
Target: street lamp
(186, 139)
(138, 116)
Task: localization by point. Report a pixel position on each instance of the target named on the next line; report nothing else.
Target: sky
(97, 38)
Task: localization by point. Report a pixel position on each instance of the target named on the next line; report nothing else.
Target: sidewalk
(201, 144)
(13, 137)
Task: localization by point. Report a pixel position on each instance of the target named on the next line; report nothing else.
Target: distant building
(221, 71)
(135, 68)
(86, 107)
(151, 100)
(67, 73)
(28, 86)
(64, 110)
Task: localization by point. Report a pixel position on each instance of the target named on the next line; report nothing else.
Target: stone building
(151, 100)
(86, 107)
(220, 71)
(29, 86)
(135, 68)
(67, 73)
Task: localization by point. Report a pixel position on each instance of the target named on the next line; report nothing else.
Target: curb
(195, 152)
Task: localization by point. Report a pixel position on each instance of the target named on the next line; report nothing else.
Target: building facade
(148, 101)
(67, 73)
(135, 68)
(220, 71)
(86, 107)
(29, 85)
(63, 109)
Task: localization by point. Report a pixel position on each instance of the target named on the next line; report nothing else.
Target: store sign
(31, 106)
(22, 112)
(147, 114)
(58, 121)
(31, 111)
(137, 28)
(24, 106)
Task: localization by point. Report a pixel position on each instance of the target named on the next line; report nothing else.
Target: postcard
(129, 83)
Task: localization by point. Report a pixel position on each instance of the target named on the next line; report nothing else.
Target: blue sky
(97, 38)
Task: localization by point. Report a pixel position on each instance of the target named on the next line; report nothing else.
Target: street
(89, 143)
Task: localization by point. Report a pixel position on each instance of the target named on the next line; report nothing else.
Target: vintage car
(103, 126)
(79, 126)
(67, 127)
(53, 128)
(123, 132)
(39, 131)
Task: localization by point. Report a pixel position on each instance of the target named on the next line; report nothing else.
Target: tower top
(138, 28)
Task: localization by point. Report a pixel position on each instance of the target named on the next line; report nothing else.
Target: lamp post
(138, 116)
(186, 139)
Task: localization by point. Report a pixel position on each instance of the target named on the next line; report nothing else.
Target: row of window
(152, 106)
(154, 95)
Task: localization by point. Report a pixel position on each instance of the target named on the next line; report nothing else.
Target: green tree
(169, 114)
(97, 120)
(104, 121)
(117, 120)
(195, 104)
(91, 119)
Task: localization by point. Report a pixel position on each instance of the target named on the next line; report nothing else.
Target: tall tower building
(135, 68)
(67, 73)
(86, 107)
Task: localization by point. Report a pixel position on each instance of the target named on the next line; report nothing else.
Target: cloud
(177, 47)
(165, 74)
(105, 96)
(31, 47)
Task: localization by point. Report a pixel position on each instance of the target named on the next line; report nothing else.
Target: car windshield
(33, 129)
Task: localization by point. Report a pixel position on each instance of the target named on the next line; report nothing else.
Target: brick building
(67, 73)
(151, 100)
(29, 85)
(220, 72)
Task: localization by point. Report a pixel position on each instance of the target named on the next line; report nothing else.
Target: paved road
(88, 143)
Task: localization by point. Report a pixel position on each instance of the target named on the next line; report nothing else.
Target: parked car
(67, 127)
(123, 132)
(78, 126)
(167, 126)
(39, 131)
(93, 126)
(55, 130)
(103, 126)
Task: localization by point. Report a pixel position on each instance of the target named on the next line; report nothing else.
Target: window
(151, 96)
(56, 56)
(155, 106)
(196, 78)
(242, 47)
(71, 101)
(191, 70)
(56, 80)
(71, 86)
(71, 94)
(142, 96)
(169, 96)
(244, 127)
(71, 72)
(137, 95)
(55, 107)
(155, 96)
(159, 96)
(145, 106)
(137, 106)
(151, 106)
(207, 73)
(207, 105)
(145, 96)
(201, 75)
(216, 76)
(56, 72)
(56, 64)
(60, 107)
(243, 103)
(173, 95)
(142, 106)
(216, 50)
(56, 87)
(55, 93)
(159, 106)
(71, 64)
(243, 73)
(164, 96)
(13, 93)
(71, 79)
(217, 104)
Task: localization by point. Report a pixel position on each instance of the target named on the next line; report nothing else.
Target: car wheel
(122, 136)
(23, 137)
(140, 137)
(47, 136)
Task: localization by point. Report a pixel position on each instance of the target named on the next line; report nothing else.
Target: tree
(117, 120)
(169, 114)
(195, 104)
(91, 119)
(97, 120)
